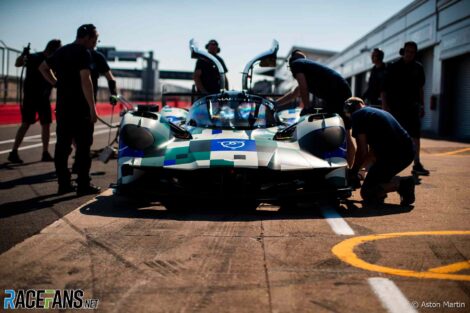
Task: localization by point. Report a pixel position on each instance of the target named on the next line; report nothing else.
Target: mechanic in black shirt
(206, 75)
(76, 111)
(376, 79)
(403, 96)
(37, 92)
(378, 132)
(99, 66)
(323, 82)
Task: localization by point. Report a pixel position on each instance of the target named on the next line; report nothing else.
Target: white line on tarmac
(104, 131)
(27, 138)
(39, 136)
(391, 297)
(337, 223)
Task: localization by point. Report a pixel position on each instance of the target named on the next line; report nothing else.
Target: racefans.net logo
(47, 299)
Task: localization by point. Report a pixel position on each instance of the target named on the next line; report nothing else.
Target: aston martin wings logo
(232, 144)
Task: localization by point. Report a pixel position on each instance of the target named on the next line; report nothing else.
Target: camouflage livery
(226, 146)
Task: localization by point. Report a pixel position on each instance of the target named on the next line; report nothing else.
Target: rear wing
(266, 59)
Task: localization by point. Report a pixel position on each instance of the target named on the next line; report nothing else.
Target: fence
(9, 74)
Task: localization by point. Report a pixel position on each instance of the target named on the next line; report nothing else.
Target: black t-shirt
(67, 62)
(98, 66)
(210, 74)
(403, 83)
(375, 86)
(35, 84)
(322, 81)
(384, 134)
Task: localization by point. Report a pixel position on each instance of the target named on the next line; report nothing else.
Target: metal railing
(9, 74)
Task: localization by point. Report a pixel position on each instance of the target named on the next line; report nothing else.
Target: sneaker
(406, 190)
(13, 157)
(65, 188)
(46, 157)
(88, 190)
(418, 169)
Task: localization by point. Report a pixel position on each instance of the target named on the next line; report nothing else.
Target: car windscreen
(231, 112)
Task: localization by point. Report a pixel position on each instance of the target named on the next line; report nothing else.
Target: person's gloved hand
(113, 100)
(353, 179)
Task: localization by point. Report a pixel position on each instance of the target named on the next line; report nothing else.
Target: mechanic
(206, 75)
(76, 111)
(37, 92)
(403, 96)
(99, 66)
(378, 132)
(377, 74)
(323, 82)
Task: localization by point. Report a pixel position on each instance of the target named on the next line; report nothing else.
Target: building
(136, 73)
(441, 28)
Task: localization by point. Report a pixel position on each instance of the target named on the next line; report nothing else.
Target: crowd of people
(385, 125)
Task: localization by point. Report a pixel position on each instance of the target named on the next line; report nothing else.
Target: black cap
(213, 41)
(86, 30)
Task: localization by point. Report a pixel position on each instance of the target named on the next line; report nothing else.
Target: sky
(243, 28)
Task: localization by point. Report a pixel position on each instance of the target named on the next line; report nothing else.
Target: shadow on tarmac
(11, 166)
(29, 180)
(125, 207)
(33, 204)
(351, 209)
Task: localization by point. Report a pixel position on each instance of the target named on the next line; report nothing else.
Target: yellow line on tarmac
(453, 152)
(451, 268)
(345, 252)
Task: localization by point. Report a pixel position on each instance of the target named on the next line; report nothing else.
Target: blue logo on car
(233, 144)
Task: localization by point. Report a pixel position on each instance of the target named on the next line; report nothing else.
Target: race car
(232, 144)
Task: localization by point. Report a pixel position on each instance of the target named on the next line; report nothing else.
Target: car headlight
(286, 133)
(136, 137)
(179, 132)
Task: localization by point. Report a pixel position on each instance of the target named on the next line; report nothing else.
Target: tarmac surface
(136, 256)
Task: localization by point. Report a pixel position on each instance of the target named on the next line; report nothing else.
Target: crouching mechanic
(377, 131)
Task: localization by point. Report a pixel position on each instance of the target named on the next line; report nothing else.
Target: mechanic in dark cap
(206, 75)
(324, 83)
(76, 111)
(378, 132)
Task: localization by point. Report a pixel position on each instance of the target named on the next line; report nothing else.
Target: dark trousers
(408, 117)
(384, 169)
(80, 131)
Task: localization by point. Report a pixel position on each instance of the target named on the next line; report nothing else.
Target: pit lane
(138, 256)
